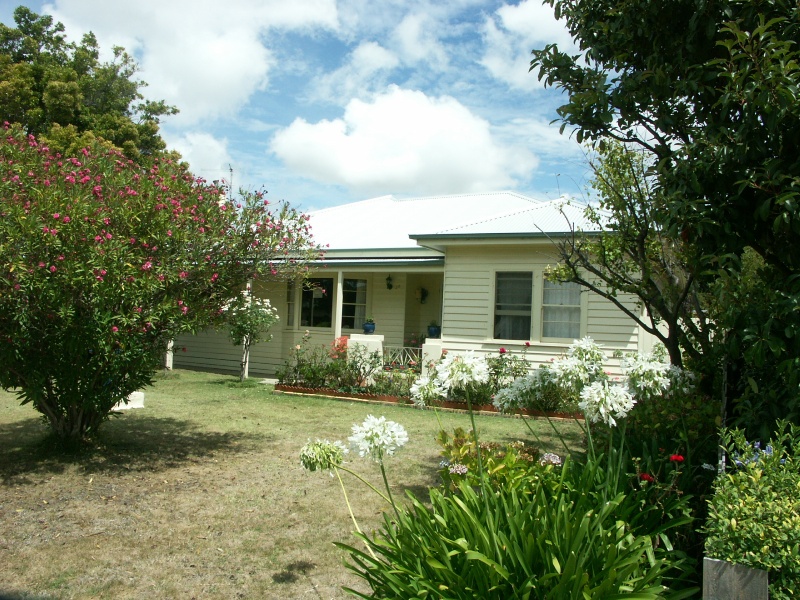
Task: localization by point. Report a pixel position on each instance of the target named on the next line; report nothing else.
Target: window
(513, 306)
(561, 310)
(354, 303)
(317, 303)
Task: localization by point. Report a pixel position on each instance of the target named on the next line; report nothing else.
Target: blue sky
(323, 102)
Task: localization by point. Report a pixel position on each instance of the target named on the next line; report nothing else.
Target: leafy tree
(248, 320)
(62, 93)
(711, 90)
(103, 262)
(633, 255)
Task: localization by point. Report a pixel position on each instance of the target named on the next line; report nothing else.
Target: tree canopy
(62, 93)
(711, 92)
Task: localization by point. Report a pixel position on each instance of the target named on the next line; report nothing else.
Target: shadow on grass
(122, 445)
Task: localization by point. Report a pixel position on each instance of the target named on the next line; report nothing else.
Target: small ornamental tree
(103, 262)
(249, 320)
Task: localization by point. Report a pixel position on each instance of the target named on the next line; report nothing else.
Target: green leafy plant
(754, 514)
(504, 463)
(248, 320)
(557, 534)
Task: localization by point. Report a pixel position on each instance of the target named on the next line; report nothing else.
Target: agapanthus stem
(350, 508)
(389, 491)
(365, 482)
(558, 433)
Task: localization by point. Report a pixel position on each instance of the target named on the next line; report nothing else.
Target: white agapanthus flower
(322, 455)
(457, 371)
(590, 353)
(572, 372)
(606, 403)
(647, 375)
(376, 437)
(425, 390)
(523, 391)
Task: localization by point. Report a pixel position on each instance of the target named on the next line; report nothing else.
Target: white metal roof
(387, 222)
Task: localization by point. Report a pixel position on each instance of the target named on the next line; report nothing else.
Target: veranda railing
(401, 356)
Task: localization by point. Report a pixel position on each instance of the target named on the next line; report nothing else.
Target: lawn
(201, 494)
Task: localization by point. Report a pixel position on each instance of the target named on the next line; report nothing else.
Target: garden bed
(446, 404)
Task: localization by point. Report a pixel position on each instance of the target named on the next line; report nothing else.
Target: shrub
(103, 262)
(504, 464)
(754, 514)
(558, 533)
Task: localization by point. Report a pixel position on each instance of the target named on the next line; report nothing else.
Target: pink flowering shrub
(102, 262)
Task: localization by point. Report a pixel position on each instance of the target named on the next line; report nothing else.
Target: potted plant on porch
(434, 329)
(369, 325)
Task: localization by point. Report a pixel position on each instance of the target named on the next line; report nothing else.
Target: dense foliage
(575, 531)
(717, 111)
(62, 93)
(103, 262)
(754, 515)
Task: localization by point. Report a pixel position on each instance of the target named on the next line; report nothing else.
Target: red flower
(527, 344)
(502, 351)
(646, 477)
(676, 458)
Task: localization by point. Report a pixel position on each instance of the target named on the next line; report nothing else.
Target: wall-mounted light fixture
(389, 284)
(421, 294)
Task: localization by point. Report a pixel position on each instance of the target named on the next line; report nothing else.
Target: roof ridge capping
(542, 205)
(349, 205)
(517, 195)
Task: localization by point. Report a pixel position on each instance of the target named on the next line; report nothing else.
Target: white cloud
(207, 156)
(363, 72)
(417, 43)
(403, 142)
(204, 56)
(510, 35)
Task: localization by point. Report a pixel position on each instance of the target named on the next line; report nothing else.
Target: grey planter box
(726, 581)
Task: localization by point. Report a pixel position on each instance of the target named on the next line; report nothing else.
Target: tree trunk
(245, 366)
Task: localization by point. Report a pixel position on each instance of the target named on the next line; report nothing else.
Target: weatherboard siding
(209, 350)
(468, 313)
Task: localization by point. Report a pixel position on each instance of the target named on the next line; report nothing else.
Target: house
(475, 263)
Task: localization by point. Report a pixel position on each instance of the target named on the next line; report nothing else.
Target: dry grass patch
(201, 494)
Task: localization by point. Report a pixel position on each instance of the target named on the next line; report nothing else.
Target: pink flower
(502, 350)
(52, 268)
(56, 216)
(66, 219)
(183, 274)
(147, 266)
(115, 329)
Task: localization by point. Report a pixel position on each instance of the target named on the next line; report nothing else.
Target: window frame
(363, 315)
(537, 308)
(544, 307)
(307, 293)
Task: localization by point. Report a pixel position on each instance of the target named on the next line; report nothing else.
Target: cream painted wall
(469, 288)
